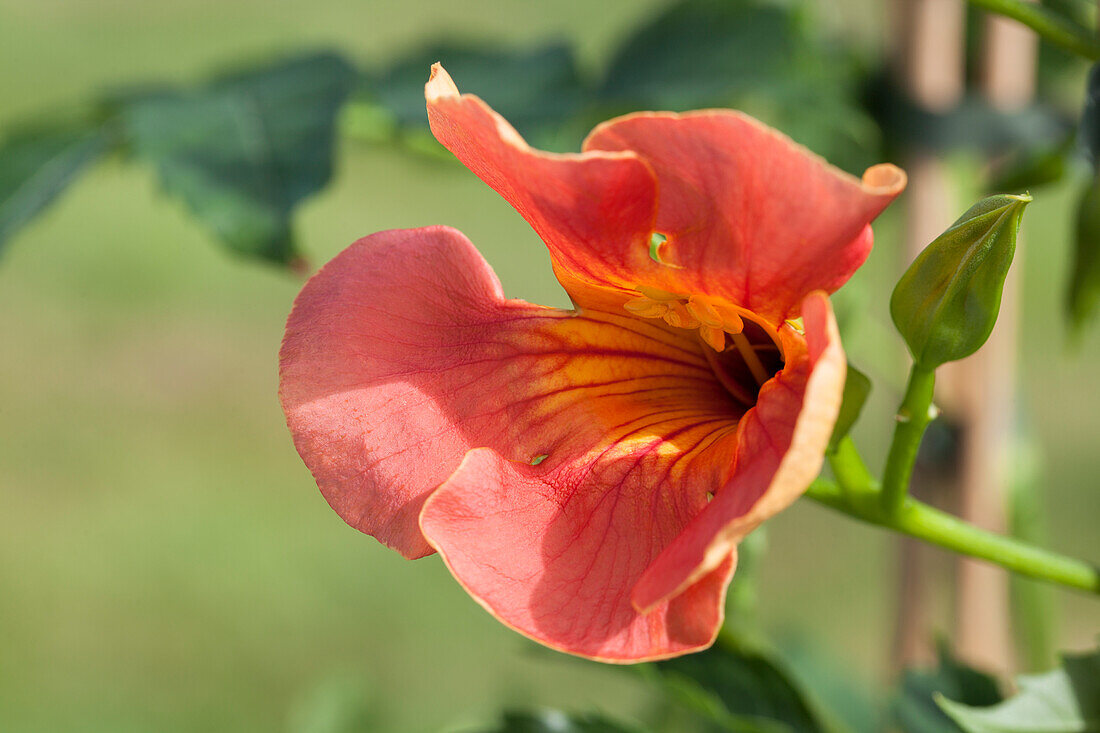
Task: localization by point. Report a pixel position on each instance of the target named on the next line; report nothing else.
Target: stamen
(704, 312)
(752, 361)
(732, 386)
(646, 308)
(678, 316)
(714, 337)
(657, 293)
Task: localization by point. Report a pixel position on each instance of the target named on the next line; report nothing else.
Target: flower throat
(742, 353)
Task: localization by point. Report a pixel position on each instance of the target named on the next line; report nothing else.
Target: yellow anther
(714, 337)
(704, 312)
(731, 319)
(679, 317)
(657, 294)
(646, 308)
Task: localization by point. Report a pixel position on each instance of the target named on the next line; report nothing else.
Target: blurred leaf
(763, 57)
(914, 707)
(946, 303)
(972, 124)
(553, 721)
(846, 696)
(1081, 12)
(243, 150)
(1065, 700)
(536, 91)
(37, 164)
(1088, 132)
(739, 688)
(1084, 284)
(702, 50)
(1027, 168)
(856, 389)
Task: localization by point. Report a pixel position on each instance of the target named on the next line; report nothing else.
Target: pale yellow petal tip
(885, 179)
(439, 84)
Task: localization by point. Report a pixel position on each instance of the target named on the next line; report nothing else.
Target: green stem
(919, 520)
(913, 416)
(1048, 24)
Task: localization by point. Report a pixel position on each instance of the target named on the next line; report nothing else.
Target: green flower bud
(946, 303)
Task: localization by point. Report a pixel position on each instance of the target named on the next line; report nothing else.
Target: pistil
(752, 361)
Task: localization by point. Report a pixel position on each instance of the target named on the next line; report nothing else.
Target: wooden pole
(932, 71)
(982, 616)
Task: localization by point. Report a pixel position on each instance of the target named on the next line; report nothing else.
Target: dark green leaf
(243, 150)
(763, 57)
(972, 124)
(915, 708)
(553, 721)
(37, 164)
(1026, 169)
(1065, 700)
(1088, 132)
(1084, 283)
(702, 50)
(739, 688)
(856, 389)
(536, 91)
(946, 303)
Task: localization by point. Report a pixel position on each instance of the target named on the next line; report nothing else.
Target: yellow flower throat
(714, 320)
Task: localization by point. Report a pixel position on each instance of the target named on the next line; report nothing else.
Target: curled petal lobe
(595, 211)
(780, 448)
(556, 562)
(365, 330)
(748, 214)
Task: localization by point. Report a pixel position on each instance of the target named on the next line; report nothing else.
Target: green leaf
(763, 57)
(946, 303)
(739, 688)
(914, 707)
(1030, 168)
(702, 50)
(244, 150)
(1083, 294)
(554, 721)
(856, 389)
(1088, 131)
(537, 91)
(37, 164)
(1065, 700)
(972, 124)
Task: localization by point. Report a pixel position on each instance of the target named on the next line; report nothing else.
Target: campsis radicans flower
(587, 474)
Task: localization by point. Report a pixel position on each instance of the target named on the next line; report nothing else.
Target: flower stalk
(1047, 24)
(913, 416)
(858, 495)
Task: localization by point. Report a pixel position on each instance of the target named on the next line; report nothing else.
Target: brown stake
(932, 70)
(982, 615)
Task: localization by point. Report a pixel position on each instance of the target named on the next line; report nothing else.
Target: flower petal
(553, 553)
(401, 355)
(595, 211)
(748, 214)
(780, 448)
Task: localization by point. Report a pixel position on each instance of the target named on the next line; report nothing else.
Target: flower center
(743, 353)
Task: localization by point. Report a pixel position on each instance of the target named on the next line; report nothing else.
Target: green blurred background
(166, 562)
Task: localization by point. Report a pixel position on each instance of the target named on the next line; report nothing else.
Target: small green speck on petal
(655, 241)
(539, 459)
